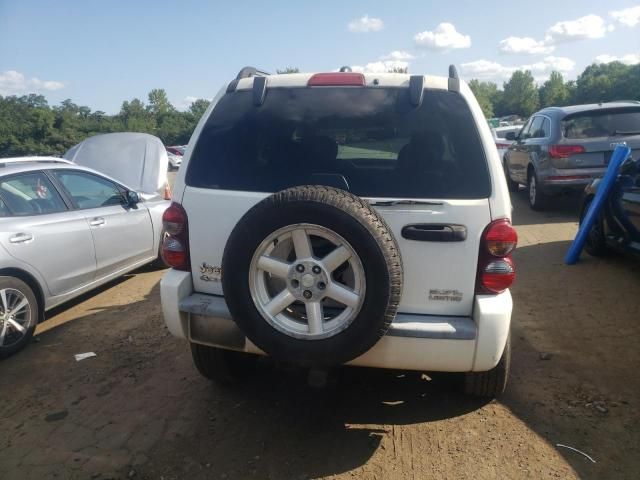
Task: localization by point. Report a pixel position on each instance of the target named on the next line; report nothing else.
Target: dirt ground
(140, 410)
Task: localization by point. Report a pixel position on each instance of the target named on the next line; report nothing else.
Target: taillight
(496, 271)
(175, 238)
(503, 145)
(337, 79)
(565, 151)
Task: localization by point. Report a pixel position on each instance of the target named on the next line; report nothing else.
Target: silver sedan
(66, 229)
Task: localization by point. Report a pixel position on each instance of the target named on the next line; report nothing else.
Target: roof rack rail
(14, 160)
(454, 80)
(246, 72)
(623, 101)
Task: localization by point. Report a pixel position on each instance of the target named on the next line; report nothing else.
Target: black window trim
(68, 207)
(67, 195)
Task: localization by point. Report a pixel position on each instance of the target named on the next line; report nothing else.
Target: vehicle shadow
(561, 209)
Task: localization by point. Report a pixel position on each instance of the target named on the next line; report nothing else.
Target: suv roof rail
(623, 101)
(246, 72)
(454, 80)
(13, 160)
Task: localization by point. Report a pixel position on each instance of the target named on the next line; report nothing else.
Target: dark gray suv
(564, 148)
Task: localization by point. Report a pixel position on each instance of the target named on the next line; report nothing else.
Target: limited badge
(209, 273)
(445, 295)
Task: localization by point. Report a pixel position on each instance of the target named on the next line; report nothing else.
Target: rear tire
(226, 367)
(492, 383)
(17, 329)
(537, 199)
(596, 244)
(513, 186)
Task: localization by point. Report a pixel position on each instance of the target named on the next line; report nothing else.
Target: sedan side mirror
(510, 136)
(132, 198)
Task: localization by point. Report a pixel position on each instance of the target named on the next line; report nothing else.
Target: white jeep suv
(342, 218)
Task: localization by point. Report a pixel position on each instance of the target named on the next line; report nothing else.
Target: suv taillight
(496, 271)
(175, 238)
(565, 151)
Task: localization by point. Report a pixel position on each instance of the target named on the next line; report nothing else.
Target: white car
(174, 161)
(342, 218)
(499, 137)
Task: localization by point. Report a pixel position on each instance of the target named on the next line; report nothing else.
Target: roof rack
(454, 80)
(13, 160)
(623, 101)
(246, 72)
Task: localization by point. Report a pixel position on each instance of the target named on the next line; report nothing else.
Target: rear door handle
(21, 238)
(435, 232)
(96, 222)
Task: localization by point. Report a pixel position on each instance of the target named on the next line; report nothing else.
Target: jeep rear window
(370, 141)
(602, 123)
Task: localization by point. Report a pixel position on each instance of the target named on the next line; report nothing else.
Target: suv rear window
(602, 123)
(370, 141)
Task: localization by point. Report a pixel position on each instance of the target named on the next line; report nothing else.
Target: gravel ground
(140, 410)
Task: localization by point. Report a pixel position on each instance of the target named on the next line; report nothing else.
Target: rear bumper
(413, 342)
(557, 180)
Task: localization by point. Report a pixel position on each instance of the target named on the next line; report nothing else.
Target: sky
(99, 53)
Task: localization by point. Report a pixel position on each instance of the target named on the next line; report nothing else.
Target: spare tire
(313, 275)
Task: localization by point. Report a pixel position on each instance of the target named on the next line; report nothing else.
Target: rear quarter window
(370, 141)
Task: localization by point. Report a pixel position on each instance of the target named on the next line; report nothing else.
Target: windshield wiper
(629, 132)
(390, 203)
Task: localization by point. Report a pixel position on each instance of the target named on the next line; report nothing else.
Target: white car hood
(138, 160)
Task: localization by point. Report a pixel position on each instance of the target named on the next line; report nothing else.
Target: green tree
(288, 70)
(198, 107)
(398, 70)
(607, 82)
(158, 102)
(554, 92)
(520, 95)
(487, 94)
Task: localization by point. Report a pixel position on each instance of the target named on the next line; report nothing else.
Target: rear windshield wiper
(390, 203)
(628, 132)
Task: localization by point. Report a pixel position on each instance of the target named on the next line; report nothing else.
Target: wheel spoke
(16, 325)
(301, 244)
(343, 295)
(279, 302)
(3, 333)
(273, 266)
(23, 303)
(315, 317)
(3, 299)
(336, 258)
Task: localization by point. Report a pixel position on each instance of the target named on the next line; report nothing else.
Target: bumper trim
(404, 325)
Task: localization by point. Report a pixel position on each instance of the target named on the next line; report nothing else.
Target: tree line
(30, 126)
(520, 95)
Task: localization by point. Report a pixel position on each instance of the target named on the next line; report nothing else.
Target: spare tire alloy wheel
(312, 275)
(307, 280)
